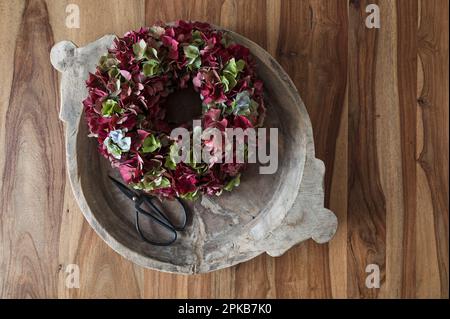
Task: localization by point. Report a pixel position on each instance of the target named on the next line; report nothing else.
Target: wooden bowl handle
(75, 65)
(307, 218)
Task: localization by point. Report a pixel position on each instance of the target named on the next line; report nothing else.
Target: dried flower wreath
(125, 107)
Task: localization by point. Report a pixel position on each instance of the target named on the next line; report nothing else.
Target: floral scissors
(154, 214)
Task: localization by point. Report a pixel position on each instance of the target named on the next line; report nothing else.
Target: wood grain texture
(434, 105)
(366, 200)
(378, 102)
(33, 166)
(312, 47)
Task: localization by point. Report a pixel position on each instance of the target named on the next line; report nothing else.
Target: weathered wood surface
(378, 102)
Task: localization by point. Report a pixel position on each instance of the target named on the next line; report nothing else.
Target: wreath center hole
(183, 106)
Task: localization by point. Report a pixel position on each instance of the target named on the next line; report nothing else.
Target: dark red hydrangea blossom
(125, 107)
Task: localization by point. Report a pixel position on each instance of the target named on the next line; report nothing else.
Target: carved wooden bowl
(266, 213)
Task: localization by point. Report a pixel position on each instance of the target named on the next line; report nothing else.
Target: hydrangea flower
(116, 143)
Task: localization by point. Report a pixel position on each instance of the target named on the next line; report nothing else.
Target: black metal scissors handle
(155, 214)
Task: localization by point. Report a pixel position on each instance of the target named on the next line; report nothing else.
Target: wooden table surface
(378, 102)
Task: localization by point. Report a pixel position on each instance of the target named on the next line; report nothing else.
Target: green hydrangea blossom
(151, 67)
(193, 54)
(139, 49)
(110, 107)
(149, 185)
(150, 144)
(197, 39)
(107, 62)
(191, 195)
(154, 178)
(112, 148)
(170, 162)
(233, 183)
(230, 73)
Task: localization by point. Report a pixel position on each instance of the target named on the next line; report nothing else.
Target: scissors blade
(124, 189)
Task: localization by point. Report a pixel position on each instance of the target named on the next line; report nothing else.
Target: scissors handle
(163, 224)
(149, 200)
(156, 214)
